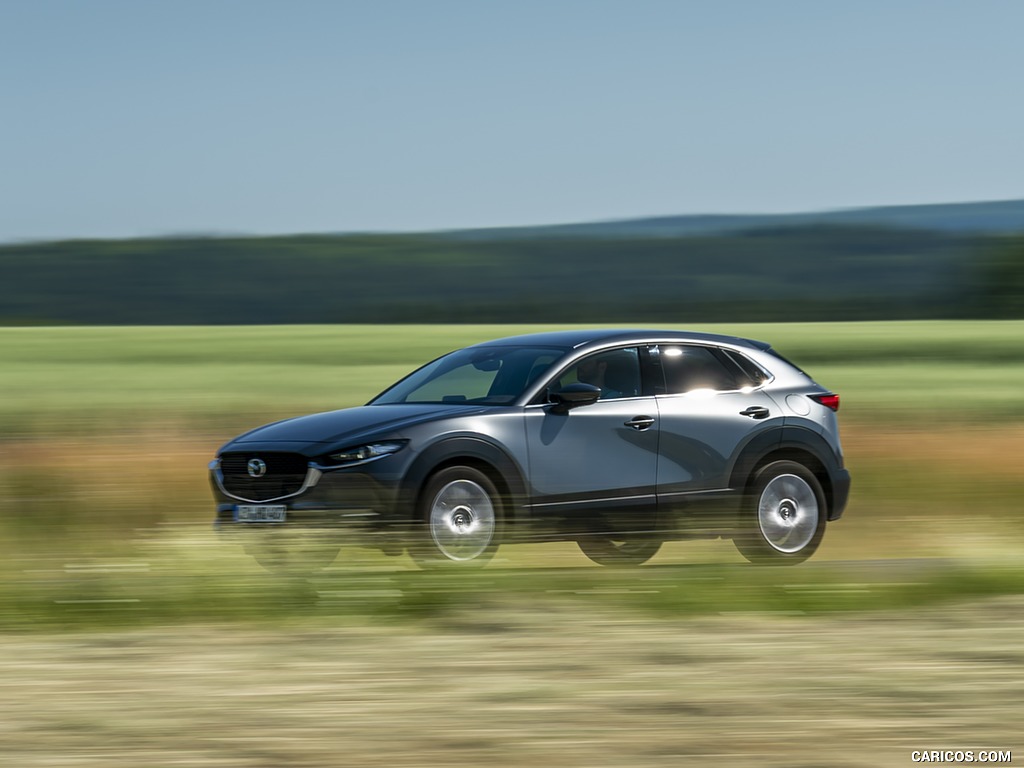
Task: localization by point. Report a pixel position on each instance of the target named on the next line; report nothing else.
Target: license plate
(260, 513)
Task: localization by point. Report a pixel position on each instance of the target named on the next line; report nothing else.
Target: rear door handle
(756, 412)
(639, 423)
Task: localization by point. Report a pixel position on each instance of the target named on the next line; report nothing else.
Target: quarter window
(751, 374)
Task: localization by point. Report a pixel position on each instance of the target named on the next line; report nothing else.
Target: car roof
(580, 338)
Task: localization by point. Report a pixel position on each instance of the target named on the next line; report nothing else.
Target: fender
(475, 449)
(783, 439)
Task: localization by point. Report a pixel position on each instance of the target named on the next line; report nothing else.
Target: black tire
(460, 514)
(783, 515)
(619, 552)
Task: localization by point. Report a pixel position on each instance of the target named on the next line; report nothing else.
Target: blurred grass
(188, 577)
(107, 380)
(552, 682)
(105, 434)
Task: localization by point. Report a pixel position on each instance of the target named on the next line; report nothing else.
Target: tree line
(795, 273)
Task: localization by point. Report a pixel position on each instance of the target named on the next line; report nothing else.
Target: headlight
(369, 451)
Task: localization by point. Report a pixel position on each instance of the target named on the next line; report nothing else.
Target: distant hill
(929, 261)
(1001, 217)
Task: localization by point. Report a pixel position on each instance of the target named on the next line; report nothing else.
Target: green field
(129, 634)
(97, 380)
(107, 432)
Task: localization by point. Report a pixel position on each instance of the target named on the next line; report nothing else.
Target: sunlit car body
(619, 440)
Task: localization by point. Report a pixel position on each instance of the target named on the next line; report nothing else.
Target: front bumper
(343, 499)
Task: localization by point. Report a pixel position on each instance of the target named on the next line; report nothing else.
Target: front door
(596, 465)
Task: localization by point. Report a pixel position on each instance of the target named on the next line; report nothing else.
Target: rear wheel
(784, 515)
(619, 551)
(461, 513)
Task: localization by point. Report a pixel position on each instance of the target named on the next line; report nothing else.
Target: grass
(522, 685)
(99, 380)
(150, 588)
(104, 501)
(130, 634)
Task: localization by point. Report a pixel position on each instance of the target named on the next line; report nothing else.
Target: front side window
(483, 375)
(616, 372)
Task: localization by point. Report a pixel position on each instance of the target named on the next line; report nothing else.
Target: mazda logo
(257, 467)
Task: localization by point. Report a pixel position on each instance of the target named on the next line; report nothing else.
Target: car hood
(315, 432)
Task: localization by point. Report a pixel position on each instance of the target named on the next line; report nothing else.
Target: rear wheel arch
(796, 444)
(800, 456)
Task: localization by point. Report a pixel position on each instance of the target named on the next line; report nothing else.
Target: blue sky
(128, 118)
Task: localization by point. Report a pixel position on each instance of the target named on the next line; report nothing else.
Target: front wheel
(461, 512)
(619, 551)
(783, 516)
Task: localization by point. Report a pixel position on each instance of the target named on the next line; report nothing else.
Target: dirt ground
(509, 686)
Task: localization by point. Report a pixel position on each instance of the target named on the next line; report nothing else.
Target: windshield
(489, 375)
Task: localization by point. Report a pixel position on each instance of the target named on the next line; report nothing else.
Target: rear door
(709, 410)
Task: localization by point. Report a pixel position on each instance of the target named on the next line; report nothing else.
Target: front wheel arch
(471, 451)
(473, 462)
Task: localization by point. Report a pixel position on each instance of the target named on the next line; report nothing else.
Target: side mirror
(575, 395)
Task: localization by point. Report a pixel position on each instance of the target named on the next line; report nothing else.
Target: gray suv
(619, 440)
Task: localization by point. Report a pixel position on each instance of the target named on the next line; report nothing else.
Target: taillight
(829, 400)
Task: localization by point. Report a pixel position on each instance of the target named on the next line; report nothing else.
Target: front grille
(285, 475)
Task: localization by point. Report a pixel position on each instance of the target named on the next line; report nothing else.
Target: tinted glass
(490, 375)
(750, 373)
(688, 368)
(616, 372)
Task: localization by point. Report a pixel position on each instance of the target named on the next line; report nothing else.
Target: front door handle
(639, 423)
(756, 412)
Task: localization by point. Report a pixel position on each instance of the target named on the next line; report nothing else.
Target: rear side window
(688, 368)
